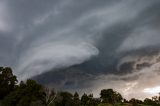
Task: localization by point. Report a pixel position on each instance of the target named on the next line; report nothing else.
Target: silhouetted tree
(135, 102)
(25, 94)
(64, 99)
(84, 99)
(76, 99)
(49, 96)
(148, 101)
(110, 96)
(8, 81)
(30, 93)
(92, 101)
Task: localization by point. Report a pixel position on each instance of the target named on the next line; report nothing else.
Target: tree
(84, 99)
(155, 98)
(76, 99)
(88, 100)
(110, 96)
(49, 96)
(148, 101)
(135, 102)
(64, 99)
(25, 94)
(92, 101)
(8, 81)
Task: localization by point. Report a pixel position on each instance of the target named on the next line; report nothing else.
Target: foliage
(76, 99)
(8, 81)
(30, 93)
(84, 99)
(64, 99)
(110, 96)
(24, 95)
(49, 96)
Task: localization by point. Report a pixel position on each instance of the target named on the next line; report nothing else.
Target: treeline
(30, 93)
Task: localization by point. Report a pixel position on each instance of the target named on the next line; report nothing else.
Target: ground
(126, 104)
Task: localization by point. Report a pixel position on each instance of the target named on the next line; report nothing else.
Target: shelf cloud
(101, 44)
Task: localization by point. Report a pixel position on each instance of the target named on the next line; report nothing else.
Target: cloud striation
(101, 44)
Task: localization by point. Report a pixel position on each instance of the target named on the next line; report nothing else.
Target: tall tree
(84, 99)
(25, 94)
(76, 99)
(64, 99)
(8, 81)
(49, 96)
(110, 96)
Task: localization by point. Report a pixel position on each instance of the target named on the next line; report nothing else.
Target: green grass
(125, 104)
(104, 104)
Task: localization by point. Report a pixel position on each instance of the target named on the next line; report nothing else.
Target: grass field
(126, 104)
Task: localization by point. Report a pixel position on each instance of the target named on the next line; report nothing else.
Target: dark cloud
(81, 44)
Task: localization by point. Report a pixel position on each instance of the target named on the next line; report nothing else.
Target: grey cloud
(141, 38)
(55, 55)
(90, 37)
(134, 82)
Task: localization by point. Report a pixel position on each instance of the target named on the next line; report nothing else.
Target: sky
(84, 45)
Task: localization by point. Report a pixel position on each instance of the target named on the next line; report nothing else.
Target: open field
(125, 104)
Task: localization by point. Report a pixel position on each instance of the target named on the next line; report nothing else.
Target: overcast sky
(87, 45)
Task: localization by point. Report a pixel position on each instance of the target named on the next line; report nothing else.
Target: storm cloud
(104, 42)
